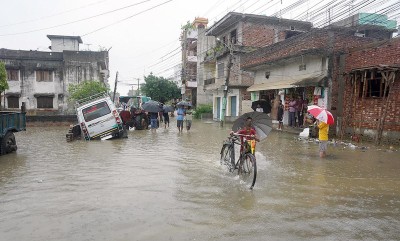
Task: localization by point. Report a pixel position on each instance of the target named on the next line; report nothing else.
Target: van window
(96, 111)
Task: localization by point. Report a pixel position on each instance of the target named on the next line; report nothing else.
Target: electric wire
(79, 20)
(52, 15)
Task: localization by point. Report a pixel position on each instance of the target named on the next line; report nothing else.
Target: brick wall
(384, 52)
(369, 111)
(316, 40)
(257, 35)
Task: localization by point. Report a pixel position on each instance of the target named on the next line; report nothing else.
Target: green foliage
(188, 26)
(201, 109)
(159, 88)
(3, 77)
(219, 48)
(85, 89)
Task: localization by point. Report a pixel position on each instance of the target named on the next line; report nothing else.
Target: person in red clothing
(247, 130)
(126, 117)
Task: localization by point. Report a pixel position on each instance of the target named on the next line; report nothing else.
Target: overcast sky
(143, 34)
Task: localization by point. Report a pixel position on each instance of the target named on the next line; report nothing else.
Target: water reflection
(170, 186)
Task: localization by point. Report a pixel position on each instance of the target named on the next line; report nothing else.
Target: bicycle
(246, 163)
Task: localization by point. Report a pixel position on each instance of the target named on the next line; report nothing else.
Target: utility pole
(138, 87)
(115, 86)
(226, 86)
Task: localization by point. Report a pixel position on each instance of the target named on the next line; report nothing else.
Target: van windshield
(95, 111)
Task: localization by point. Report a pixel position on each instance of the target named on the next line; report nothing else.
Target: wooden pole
(365, 86)
(385, 104)
(354, 104)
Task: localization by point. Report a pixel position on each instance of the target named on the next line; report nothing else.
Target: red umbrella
(321, 114)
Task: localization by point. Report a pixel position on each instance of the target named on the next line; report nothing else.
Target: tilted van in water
(99, 119)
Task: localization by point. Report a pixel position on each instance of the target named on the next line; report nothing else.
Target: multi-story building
(190, 59)
(41, 79)
(344, 68)
(236, 34)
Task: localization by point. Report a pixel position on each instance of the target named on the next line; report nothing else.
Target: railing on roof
(91, 98)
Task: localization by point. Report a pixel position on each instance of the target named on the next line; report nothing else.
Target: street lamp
(226, 84)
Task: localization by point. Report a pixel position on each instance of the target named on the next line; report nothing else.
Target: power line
(76, 21)
(53, 15)
(321, 10)
(124, 19)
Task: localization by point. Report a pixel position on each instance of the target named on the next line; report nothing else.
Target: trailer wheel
(8, 143)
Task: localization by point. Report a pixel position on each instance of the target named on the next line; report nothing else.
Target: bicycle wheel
(248, 169)
(227, 156)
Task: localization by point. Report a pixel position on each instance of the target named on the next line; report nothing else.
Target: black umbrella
(184, 103)
(266, 105)
(168, 108)
(262, 123)
(152, 106)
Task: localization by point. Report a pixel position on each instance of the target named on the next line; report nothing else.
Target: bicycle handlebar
(242, 135)
(251, 136)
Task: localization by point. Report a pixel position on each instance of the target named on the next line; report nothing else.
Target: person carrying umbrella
(323, 138)
(262, 105)
(247, 130)
(179, 119)
(166, 118)
(324, 119)
(153, 121)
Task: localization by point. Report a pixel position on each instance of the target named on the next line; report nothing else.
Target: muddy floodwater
(170, 186)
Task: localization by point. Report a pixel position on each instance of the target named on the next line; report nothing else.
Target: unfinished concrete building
(41, 79)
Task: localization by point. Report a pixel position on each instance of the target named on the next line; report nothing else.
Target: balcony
(221, 50)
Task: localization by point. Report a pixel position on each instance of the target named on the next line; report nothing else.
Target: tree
(3, 79)
(86, 89)
(159, 88)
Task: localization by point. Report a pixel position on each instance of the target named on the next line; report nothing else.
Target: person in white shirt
(259, 108)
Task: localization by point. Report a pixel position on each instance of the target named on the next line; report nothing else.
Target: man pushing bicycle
(249, 134)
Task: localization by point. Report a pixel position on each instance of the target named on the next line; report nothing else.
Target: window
(221, 67)
(233, 37)
(44, 75)
(290, 34)
(209, 81)
(45, 102)
(374, 87)
(12, 75)
(95, 111)
(13, 102)
(224, 39)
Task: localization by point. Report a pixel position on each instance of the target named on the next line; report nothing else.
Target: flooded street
(170, 186)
